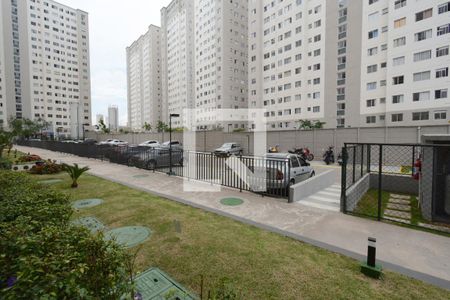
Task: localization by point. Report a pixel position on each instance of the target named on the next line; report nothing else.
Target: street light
(170, 142)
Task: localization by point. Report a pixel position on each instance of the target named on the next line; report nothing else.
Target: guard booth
(435, 178)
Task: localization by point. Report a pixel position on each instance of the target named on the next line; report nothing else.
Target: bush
(44, 257)
(5, 164)
(29, 158)
(47, 167)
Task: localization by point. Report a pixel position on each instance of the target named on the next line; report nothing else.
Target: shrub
(47, 167)
(29, 158)
(74, 172)
(5, 164)
(43, 256)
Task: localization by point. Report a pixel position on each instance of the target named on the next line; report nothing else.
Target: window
(400, 23)
(399, 61)
(424, 55)
(373, 34)
(424, 14)
(443, 72)
(420, 116)
(397, 117)
(400, 42)
(371, 86)
(372, 2)
(316, 109)
(370, 103)
(400, 3)
(440, 115)
(422, 76)
(443, 8)
(444, 29)
(372, 69)
(372, 51)
(423, 35)
(442, 51)
(397, 99)
(441, 94)
(398, 80)
(371, 119)
(421, 96)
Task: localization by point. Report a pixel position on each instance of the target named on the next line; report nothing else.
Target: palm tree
(74, 172)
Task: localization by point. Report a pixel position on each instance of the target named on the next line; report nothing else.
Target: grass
(13, 155)
(259, 264)
(368, 205)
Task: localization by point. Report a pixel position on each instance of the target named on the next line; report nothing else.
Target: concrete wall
(316, 140)
(356, 192)
(311, 186)
(404, 184)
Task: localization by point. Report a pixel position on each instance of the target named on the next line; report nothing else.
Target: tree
(75, 172)
(147, 127)
(162, 127)
(102, 126)
(308, 124)
(19, 128)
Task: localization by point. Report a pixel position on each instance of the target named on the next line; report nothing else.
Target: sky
(114, 25)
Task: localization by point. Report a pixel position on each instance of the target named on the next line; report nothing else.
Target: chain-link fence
(407, 184)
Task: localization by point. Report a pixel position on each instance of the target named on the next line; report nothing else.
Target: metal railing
(403, 183)
(202, 166)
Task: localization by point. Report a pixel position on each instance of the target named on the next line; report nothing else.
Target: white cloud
(114, 25)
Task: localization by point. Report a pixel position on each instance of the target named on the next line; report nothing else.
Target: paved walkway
(415, 253)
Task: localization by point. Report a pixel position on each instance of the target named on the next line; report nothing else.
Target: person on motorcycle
(328, 156)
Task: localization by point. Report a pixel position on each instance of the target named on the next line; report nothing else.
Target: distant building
(113, 118)
(144, 80)
(44, 64)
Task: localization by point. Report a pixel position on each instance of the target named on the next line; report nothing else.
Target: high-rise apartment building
(144, 80)
(221, 63)
(177, 59)
(44, 64)
(299, 64)
(113, 118)
(405, 62)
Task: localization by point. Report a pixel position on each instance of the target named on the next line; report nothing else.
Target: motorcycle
(328, 156)
(340, 159)
(305, 153)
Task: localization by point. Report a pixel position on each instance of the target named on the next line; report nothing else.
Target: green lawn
(368, 205)
(259, 264)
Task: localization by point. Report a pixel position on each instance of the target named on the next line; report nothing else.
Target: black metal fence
(408, 184)
(246, 173)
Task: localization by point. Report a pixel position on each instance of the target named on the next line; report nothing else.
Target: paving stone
(401, 207)
(397, 220)
(397, 214)
(400, 196)
(399, 201)
(435, 227)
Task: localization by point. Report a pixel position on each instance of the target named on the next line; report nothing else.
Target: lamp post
(170, 142)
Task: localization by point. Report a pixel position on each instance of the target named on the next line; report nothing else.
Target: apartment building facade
(144, 80)
(44, 65)
(221, 61)
(299, 64)
(113, 118)
(177, 60)
(405, 62)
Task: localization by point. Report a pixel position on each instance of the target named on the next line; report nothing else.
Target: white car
(151, 143)
(106, 142)
(175, 145)
(117, 143)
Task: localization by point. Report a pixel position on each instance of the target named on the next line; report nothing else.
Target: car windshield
(227, 145)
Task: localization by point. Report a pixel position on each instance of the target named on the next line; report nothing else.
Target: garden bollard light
(370, 267)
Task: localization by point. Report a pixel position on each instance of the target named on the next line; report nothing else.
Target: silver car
(154, 158)
(228, 149)
(281, 170)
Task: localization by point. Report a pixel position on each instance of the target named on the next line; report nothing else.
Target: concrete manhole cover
(50, 181)
(140, 176)
(91, 223)
(231, 201)
(86, 203)
(129, 236)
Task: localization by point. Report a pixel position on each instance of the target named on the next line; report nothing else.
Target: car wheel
(288, 188)
(151, 165)
(312, 174)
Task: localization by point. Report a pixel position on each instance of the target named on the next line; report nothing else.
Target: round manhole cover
(140, 176)
(86, 203)
(50, 181)
(129, 236)
(231, 201)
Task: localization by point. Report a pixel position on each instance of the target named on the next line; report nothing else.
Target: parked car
(151, 143)
(89, 142)
(118, 143)
(156, 157)
(106, 142)
(281, 171)
(175, 145)
(228, 149)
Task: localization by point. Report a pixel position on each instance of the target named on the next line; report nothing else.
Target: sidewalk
(418, 254)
